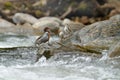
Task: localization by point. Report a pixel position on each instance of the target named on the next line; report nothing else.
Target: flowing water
(18, 63)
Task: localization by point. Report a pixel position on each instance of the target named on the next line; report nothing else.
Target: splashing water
(18, 64)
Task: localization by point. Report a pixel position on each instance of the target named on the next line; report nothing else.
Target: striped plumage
(65, 32)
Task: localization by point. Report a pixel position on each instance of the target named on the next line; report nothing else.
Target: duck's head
(46, 29)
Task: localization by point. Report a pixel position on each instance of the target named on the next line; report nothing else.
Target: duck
(65, 32)
(43, 38)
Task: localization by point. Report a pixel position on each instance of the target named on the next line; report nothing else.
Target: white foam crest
(104, 55)
(9, 73)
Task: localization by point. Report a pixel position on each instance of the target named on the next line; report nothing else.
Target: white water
(67, 67)
(7, 41)
(64, 66)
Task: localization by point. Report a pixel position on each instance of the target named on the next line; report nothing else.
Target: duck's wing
(38, 40)
(42, 39)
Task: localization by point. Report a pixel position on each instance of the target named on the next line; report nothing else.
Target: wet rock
(53, 23)
(20, 18)
(114, 50)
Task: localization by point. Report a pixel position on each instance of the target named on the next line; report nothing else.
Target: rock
(96, 37)
(100, 35)
(54, 19)
(6, 26)
(53, 23)
(102, 29)
(115, 18)
(114, 51)
(25, 29)
(20, 18)
(6, 12)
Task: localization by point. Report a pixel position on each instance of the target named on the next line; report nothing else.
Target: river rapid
(18, 64)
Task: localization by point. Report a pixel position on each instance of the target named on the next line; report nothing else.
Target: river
(18, 64)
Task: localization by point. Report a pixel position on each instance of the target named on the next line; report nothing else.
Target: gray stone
(114, 50)
(53, 23)
(6, 26)
(115, 18)
(100, 35)
(20, 18)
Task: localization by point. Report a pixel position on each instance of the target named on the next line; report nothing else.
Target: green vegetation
(8, 5)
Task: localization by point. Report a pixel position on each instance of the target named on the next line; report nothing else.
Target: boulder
(114, 50)
(100, 35)
(115, 18)
(20, 18)
(54, 19)
(25, 29)
(6, 26)
(53, 23)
